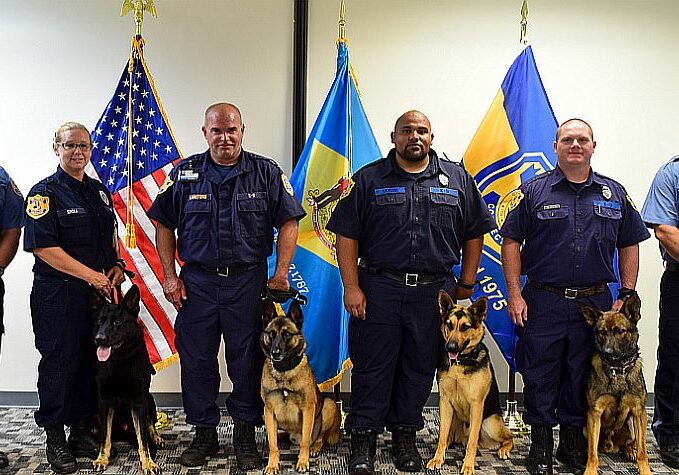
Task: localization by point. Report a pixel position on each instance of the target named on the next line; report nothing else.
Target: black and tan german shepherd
(469, 399)
(292, 401)
(616, 390)
(124, 378)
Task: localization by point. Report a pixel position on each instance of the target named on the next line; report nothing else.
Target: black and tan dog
(124, 378)
(292, 401)
(616, 391)
(469, 399)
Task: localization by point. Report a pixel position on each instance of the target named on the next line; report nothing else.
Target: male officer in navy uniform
(407, 217)
(661, 212)
(11, 222)
(224, 204)
(571, 220)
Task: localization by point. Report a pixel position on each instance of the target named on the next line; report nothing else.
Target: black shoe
(81, 442)
(670, 455)
(362, 453)
(540, 454)
(406, 456)
(245, 446)
(204, 445)
(572, 449)
(4, 461)
(58, 455)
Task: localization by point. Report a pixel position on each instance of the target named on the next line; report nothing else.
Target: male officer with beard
(407, 217)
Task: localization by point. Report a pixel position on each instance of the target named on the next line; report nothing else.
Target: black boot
(572, 450)
(205, 444)
(541, 447)
(81, 442)
(245, 446)
(58, 455)
(362, 453)
(406, 456)
(4, 461)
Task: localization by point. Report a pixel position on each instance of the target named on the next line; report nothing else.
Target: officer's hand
(115, 275)
(174, 290)
(100, 282)
(461, 293)
(617, 305)
(279, 283)
(354, 301)
(517, 309)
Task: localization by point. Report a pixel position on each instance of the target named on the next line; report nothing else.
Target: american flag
(153, 151)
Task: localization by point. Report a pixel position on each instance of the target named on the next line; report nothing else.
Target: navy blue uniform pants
(666, 388)
(553, 356)
(62, 325)
(221, 307)
(393, 352)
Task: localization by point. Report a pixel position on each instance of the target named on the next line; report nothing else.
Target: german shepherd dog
(616, 390)
(469, 399)
(292, 401)
(124, 378)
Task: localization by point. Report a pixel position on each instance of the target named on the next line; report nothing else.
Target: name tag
(390, 191)
(607, 204)
(197, 197)
(188, 175)
(554, 206)
(443, 191)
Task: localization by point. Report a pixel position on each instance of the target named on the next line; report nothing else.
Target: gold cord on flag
(523, 39)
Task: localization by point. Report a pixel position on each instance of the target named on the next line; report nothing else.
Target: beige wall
(612, 62)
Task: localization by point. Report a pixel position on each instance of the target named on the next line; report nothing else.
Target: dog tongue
(103, 352)
(452, 356)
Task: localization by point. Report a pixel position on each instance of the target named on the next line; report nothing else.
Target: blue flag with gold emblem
(340, 143)
(513, 143)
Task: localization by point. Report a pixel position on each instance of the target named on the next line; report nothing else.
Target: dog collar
(473, 357)
(287, 365)
(619, 364)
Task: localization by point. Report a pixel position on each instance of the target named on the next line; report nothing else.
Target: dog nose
(275, 351)
(452, 347)
(99, 339)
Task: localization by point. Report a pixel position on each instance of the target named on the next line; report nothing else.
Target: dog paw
(590, 471)
(435, 464)
(158, 440)
(150, 468)
(302, 466)
(271, 469)
(100, 463)
(630, 453)
(467, 468)
(503, 452)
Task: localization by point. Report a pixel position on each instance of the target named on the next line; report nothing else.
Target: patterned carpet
(24, 443)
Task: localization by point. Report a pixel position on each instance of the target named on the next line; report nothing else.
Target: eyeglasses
(83, 147)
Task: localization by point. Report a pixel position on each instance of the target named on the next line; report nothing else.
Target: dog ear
(268, 311)
(131, 300)
(295, 314)
(446, 303)
(479, 309)
(590, 313)
(96, 299)
(631, 308)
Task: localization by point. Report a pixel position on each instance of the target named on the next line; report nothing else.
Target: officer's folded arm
(57, 258)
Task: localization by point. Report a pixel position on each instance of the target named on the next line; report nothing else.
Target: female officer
(71, 230)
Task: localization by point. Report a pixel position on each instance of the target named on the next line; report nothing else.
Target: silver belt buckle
(223, 271)
(571, 294)
(411, 280)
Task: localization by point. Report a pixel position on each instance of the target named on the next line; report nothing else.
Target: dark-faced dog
(616, 391)
(292, 401)
(124, 378)
(469, 399)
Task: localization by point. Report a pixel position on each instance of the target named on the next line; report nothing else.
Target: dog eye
(117, 323)
(285, 335)
(464, 327)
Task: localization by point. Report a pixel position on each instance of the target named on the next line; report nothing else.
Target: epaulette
(188, 161)
(371, 164)
(674, 159)
(541, 176)
(445, 158)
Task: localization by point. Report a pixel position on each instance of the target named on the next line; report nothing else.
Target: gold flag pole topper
(138, 6)
(523, 39)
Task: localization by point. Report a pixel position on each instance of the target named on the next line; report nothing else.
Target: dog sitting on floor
(124, 379)
(469, 399)
(292, 401)
(616, 390)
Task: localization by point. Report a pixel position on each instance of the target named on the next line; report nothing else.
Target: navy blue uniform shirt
(411, 222)
(571, 236)
(224, 222)
(11, 203)
(76, 216)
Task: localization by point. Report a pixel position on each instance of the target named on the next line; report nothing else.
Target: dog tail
(333, 433)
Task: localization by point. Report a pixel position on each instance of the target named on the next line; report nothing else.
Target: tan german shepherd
(616, 390)
(292, 401)
(469, 399)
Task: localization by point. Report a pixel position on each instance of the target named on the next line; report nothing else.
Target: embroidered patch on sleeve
(37, 206)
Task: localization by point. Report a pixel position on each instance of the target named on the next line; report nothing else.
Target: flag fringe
(166, 362)
(330, 383)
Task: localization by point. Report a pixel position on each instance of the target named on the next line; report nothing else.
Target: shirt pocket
(253, 218)
(554, 222)
(198, 214)
(445, 205)
(75, 226)
(608, 216)
(391, 203)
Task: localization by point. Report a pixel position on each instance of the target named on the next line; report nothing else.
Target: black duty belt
(227, 271)
(672, 266)
(408, 278)
(571, 292)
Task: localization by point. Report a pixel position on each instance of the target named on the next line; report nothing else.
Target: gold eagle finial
(139, 6)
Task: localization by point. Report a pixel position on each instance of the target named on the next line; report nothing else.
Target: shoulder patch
(37, 206)
(287, 185)
(507, 204)
(347, 189)
(166, 184)
(15, 189)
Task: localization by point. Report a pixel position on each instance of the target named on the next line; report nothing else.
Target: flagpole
(513, 418)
